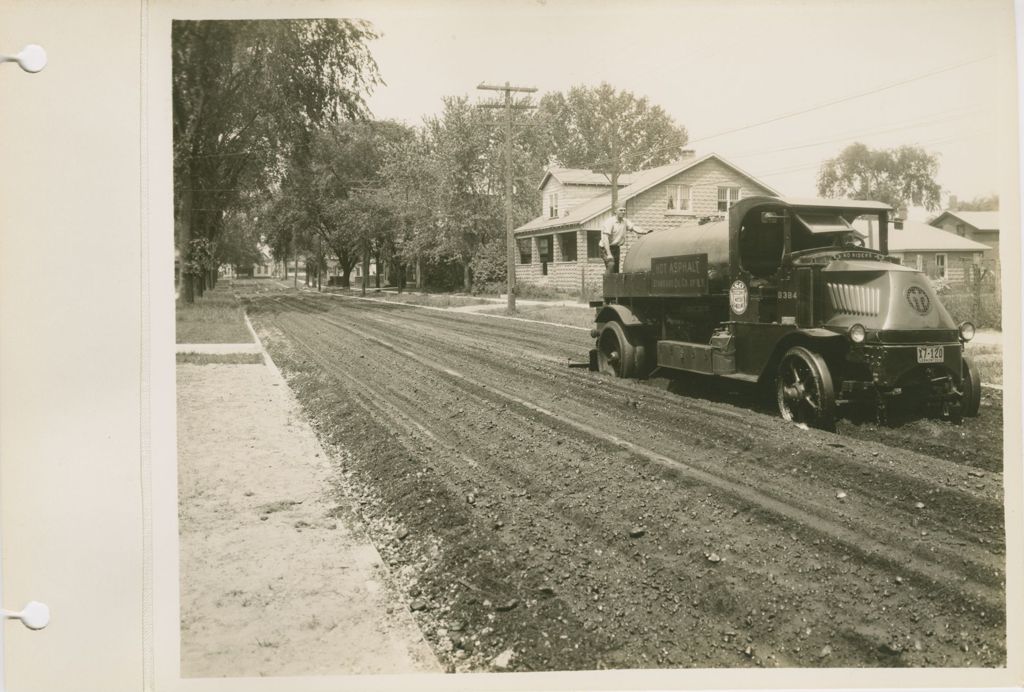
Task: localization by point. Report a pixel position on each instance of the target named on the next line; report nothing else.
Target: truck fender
(815, 338)
(618, 313)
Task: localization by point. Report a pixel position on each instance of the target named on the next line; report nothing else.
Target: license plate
(930, 354)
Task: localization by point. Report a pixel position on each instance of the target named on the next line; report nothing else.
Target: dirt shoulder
(277, 578)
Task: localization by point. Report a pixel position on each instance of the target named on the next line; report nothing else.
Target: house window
(525, 251)
(961, 229)
(553, 205)
(940, 265)
(678, 198)
(593, 244)
(544, 248)
(568, 243)
(727, 196)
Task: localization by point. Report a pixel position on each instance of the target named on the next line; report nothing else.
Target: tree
(239, 242)
(327, 186)
(899, 177)
(977, 204)
(467, 203)
(609, 131)
(245, 93)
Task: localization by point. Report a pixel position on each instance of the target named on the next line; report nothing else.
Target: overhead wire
(809, 109)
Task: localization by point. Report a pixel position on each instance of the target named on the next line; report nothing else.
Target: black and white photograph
(511, 345)
(543, 337)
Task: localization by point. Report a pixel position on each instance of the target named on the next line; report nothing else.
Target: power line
(844, 99)
(917, 122)
(802, 111)
(806, 166)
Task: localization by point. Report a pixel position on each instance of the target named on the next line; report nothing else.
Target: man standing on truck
(613, 235)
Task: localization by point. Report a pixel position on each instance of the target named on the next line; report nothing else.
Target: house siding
(957, 263)
(648, 210)
(990, 238)
(569, 196)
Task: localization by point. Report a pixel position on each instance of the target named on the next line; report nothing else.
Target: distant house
(261, 269)
(979, 226)
(937, 253)
(560, 248)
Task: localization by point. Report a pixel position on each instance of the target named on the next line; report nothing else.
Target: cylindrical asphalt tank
(711, 239)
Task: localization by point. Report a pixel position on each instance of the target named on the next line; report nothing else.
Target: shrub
(983, 309)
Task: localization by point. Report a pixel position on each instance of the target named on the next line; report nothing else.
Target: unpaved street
(548, 518)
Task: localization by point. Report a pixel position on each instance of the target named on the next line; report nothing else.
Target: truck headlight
(966, 331)
(857, 333)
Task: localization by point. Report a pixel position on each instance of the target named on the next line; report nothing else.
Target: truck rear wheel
(617, 353)
(804, 389)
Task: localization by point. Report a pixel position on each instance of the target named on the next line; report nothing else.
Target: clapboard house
(979, 226)
(940, 255)
(560, 248)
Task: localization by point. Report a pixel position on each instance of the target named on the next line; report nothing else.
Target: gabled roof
(642, 181)
(917, 236)
(582, 176)
(981, 220)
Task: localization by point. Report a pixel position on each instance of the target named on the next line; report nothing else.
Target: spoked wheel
(970, 386)
(804, 389)
(617, 353)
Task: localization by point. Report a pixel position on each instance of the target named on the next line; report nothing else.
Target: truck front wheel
(970, 385)
(804, 389)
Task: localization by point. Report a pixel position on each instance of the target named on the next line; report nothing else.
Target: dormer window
(553, 205)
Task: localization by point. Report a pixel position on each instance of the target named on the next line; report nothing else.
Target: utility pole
(510, 243)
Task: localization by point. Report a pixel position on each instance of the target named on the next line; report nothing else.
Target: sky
(774, 87)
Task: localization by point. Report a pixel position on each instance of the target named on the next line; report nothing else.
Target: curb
(267, 360)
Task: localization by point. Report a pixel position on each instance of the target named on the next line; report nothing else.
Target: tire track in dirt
(915, 476)
(934, 568)
(631, 489)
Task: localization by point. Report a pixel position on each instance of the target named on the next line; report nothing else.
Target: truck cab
(790, 293)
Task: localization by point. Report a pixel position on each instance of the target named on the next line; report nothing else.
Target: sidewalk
(274, 581)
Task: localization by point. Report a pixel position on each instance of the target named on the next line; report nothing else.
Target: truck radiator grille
(854, 300)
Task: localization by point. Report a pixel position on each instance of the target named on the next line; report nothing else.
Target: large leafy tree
(901, 176)
(330, 187)
(610, 131)
(467, 202)
(245, 94)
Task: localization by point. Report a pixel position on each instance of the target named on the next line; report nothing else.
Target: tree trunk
(366, 267)
(418, 274)
(185, 224)
(467, 277)
(376, 278)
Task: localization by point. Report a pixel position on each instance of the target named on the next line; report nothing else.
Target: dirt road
(548, 518)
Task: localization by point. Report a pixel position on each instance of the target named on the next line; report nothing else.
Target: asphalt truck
(788, 293)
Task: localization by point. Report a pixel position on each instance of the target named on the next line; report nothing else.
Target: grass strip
(216, 318)
(219, 358)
